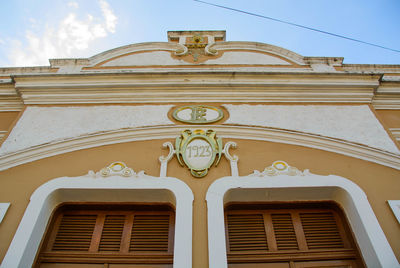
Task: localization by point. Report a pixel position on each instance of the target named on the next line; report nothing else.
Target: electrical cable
(298, 25)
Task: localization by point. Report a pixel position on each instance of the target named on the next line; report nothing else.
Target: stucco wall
(43, 125)
(380, 183)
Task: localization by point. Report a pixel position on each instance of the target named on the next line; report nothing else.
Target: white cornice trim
(207, 95)
(198, 96)
(11, 104)
(186, 87)
(9, 99)
(387, 96)
(396, 133)
(171, 132)
(391, 102)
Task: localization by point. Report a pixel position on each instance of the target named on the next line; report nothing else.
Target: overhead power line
(298, 25)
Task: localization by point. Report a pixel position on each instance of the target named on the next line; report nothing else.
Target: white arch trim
(141, 188)
(373, 244)
(225, 131)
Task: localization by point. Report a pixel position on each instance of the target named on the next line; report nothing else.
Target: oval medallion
(198, 114)
(199, 154)
(198, 149)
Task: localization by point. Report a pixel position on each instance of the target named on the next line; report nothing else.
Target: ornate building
(198, 152)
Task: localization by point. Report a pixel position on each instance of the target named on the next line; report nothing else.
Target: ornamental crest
(198, 114)
(198, 149)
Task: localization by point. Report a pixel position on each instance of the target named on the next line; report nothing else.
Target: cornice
(371, 68)
(199, 87)
(189, 86)
(7, 71)
(9, 98)
(386, 102)
(387, 96)
(209, 72)
(2, 134)
(11, 104)
(170, 132)
(7, 88)
(396, 133)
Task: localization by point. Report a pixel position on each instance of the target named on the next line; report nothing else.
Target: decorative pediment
(199, 48)
(220, 53)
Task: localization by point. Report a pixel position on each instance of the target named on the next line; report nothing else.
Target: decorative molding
(396, 133)
(262, 48)
(210, 50)
(387, 95)
(233, 159)
(395, 206)
(101, 58)
(371, 68)
(197, 44)
(230, 85)
(228, 145)
(3, 210)
(11, 104)
(165, 159)
(197, 114)
(3, 133)
(169, 132)
(182, 50)
(374, 247)
(49, 195)
(10, 101)
(380, 102)
(206, 151)
(279, 168)
(116, 169)
(391, 78)
(199, 157)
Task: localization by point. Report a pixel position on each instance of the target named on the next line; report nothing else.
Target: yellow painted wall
(391, 118)
(379, 182)
(7, 119)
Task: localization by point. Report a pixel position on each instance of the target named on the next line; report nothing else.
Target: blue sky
(32, 31)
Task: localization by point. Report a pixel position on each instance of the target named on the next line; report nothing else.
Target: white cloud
(111, 19)
(73, 4)
(69, 38)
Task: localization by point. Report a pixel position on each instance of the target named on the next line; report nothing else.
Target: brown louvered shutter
(321, 230)
(75, 233)
(246, 232)
(111, 234)
(268, 235)
(285, 235)
(121, 234)
(150, 233)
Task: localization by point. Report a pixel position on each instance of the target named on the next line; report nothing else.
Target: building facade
(198, 152)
